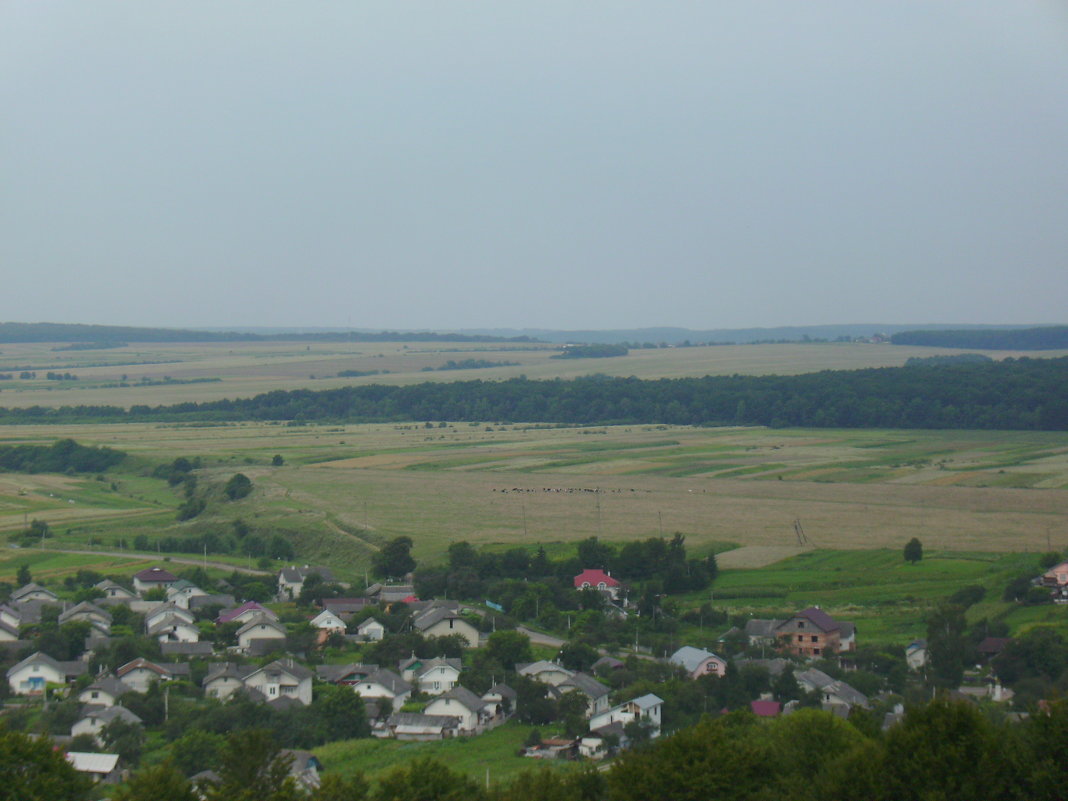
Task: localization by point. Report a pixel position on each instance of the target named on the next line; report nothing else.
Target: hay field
(231, 369)
(343, 489)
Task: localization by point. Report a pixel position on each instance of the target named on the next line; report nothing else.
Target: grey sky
(583, 164)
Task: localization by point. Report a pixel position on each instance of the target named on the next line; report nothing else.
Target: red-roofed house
(598, 580)
(765, 709)
(810, 633)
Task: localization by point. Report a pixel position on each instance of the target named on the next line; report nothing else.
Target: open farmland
(168, 373)
(885, 596)
(345, 489)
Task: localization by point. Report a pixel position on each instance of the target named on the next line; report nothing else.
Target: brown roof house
(813, 634)
(152, 578)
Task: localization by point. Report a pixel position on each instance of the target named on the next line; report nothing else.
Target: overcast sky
(582, 164)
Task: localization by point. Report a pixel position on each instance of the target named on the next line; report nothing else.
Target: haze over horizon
(516, 165)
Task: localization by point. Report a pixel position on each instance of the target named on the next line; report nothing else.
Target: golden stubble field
(247, 369)
(498, 485)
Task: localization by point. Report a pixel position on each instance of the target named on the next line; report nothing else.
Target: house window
(816, 651)
(95, 694)
(800, 637)
(815, 638)
(274, 690)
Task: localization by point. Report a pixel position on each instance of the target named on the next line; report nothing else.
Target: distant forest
(1054, 337)
(107, 336)
(1022, 394)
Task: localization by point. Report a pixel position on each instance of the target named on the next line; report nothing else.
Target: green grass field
(885, 596)
(344, 490)
(494, 751)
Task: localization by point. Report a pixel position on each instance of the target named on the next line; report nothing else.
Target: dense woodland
(1053, 337)
(942, 750)
(1020, 394)
(62, 456)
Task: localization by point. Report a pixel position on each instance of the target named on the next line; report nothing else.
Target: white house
(370, 630)
(102, 768)
(174, 628)
(698, 662)
(645, 709)
(545, 672)
(459, 702)
(440, 622)
(8, 633)
(595, 692)
(88, 613)
(260, 628)
(384, 685)
(592, 748)
(140, 673)
(916, 654)
(182, 591)
(33, 592)
(34, 673)
(244, 613)
(9, 616)
(418, 727)
(96, 720)
(105, 691)
(431, 676)
(838, 693)
(224, 679)
(112, 590)
(164, 611)
(291, 579)
(499, 700)
(329, 621)
(282, 678)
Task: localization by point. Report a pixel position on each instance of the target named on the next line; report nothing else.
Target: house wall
(260, 632)
(32, 679)
(373, 690)
(438, 680)
(713, 666)
(222, 688)
(373, 632)
(88, 726)
(97, 697)
(453, 626)
(280, 686)
(553, 677)
(803, 638)
(450, 706)
(179, 633)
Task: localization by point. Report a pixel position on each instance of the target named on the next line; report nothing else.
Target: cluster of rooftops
(452, 710)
